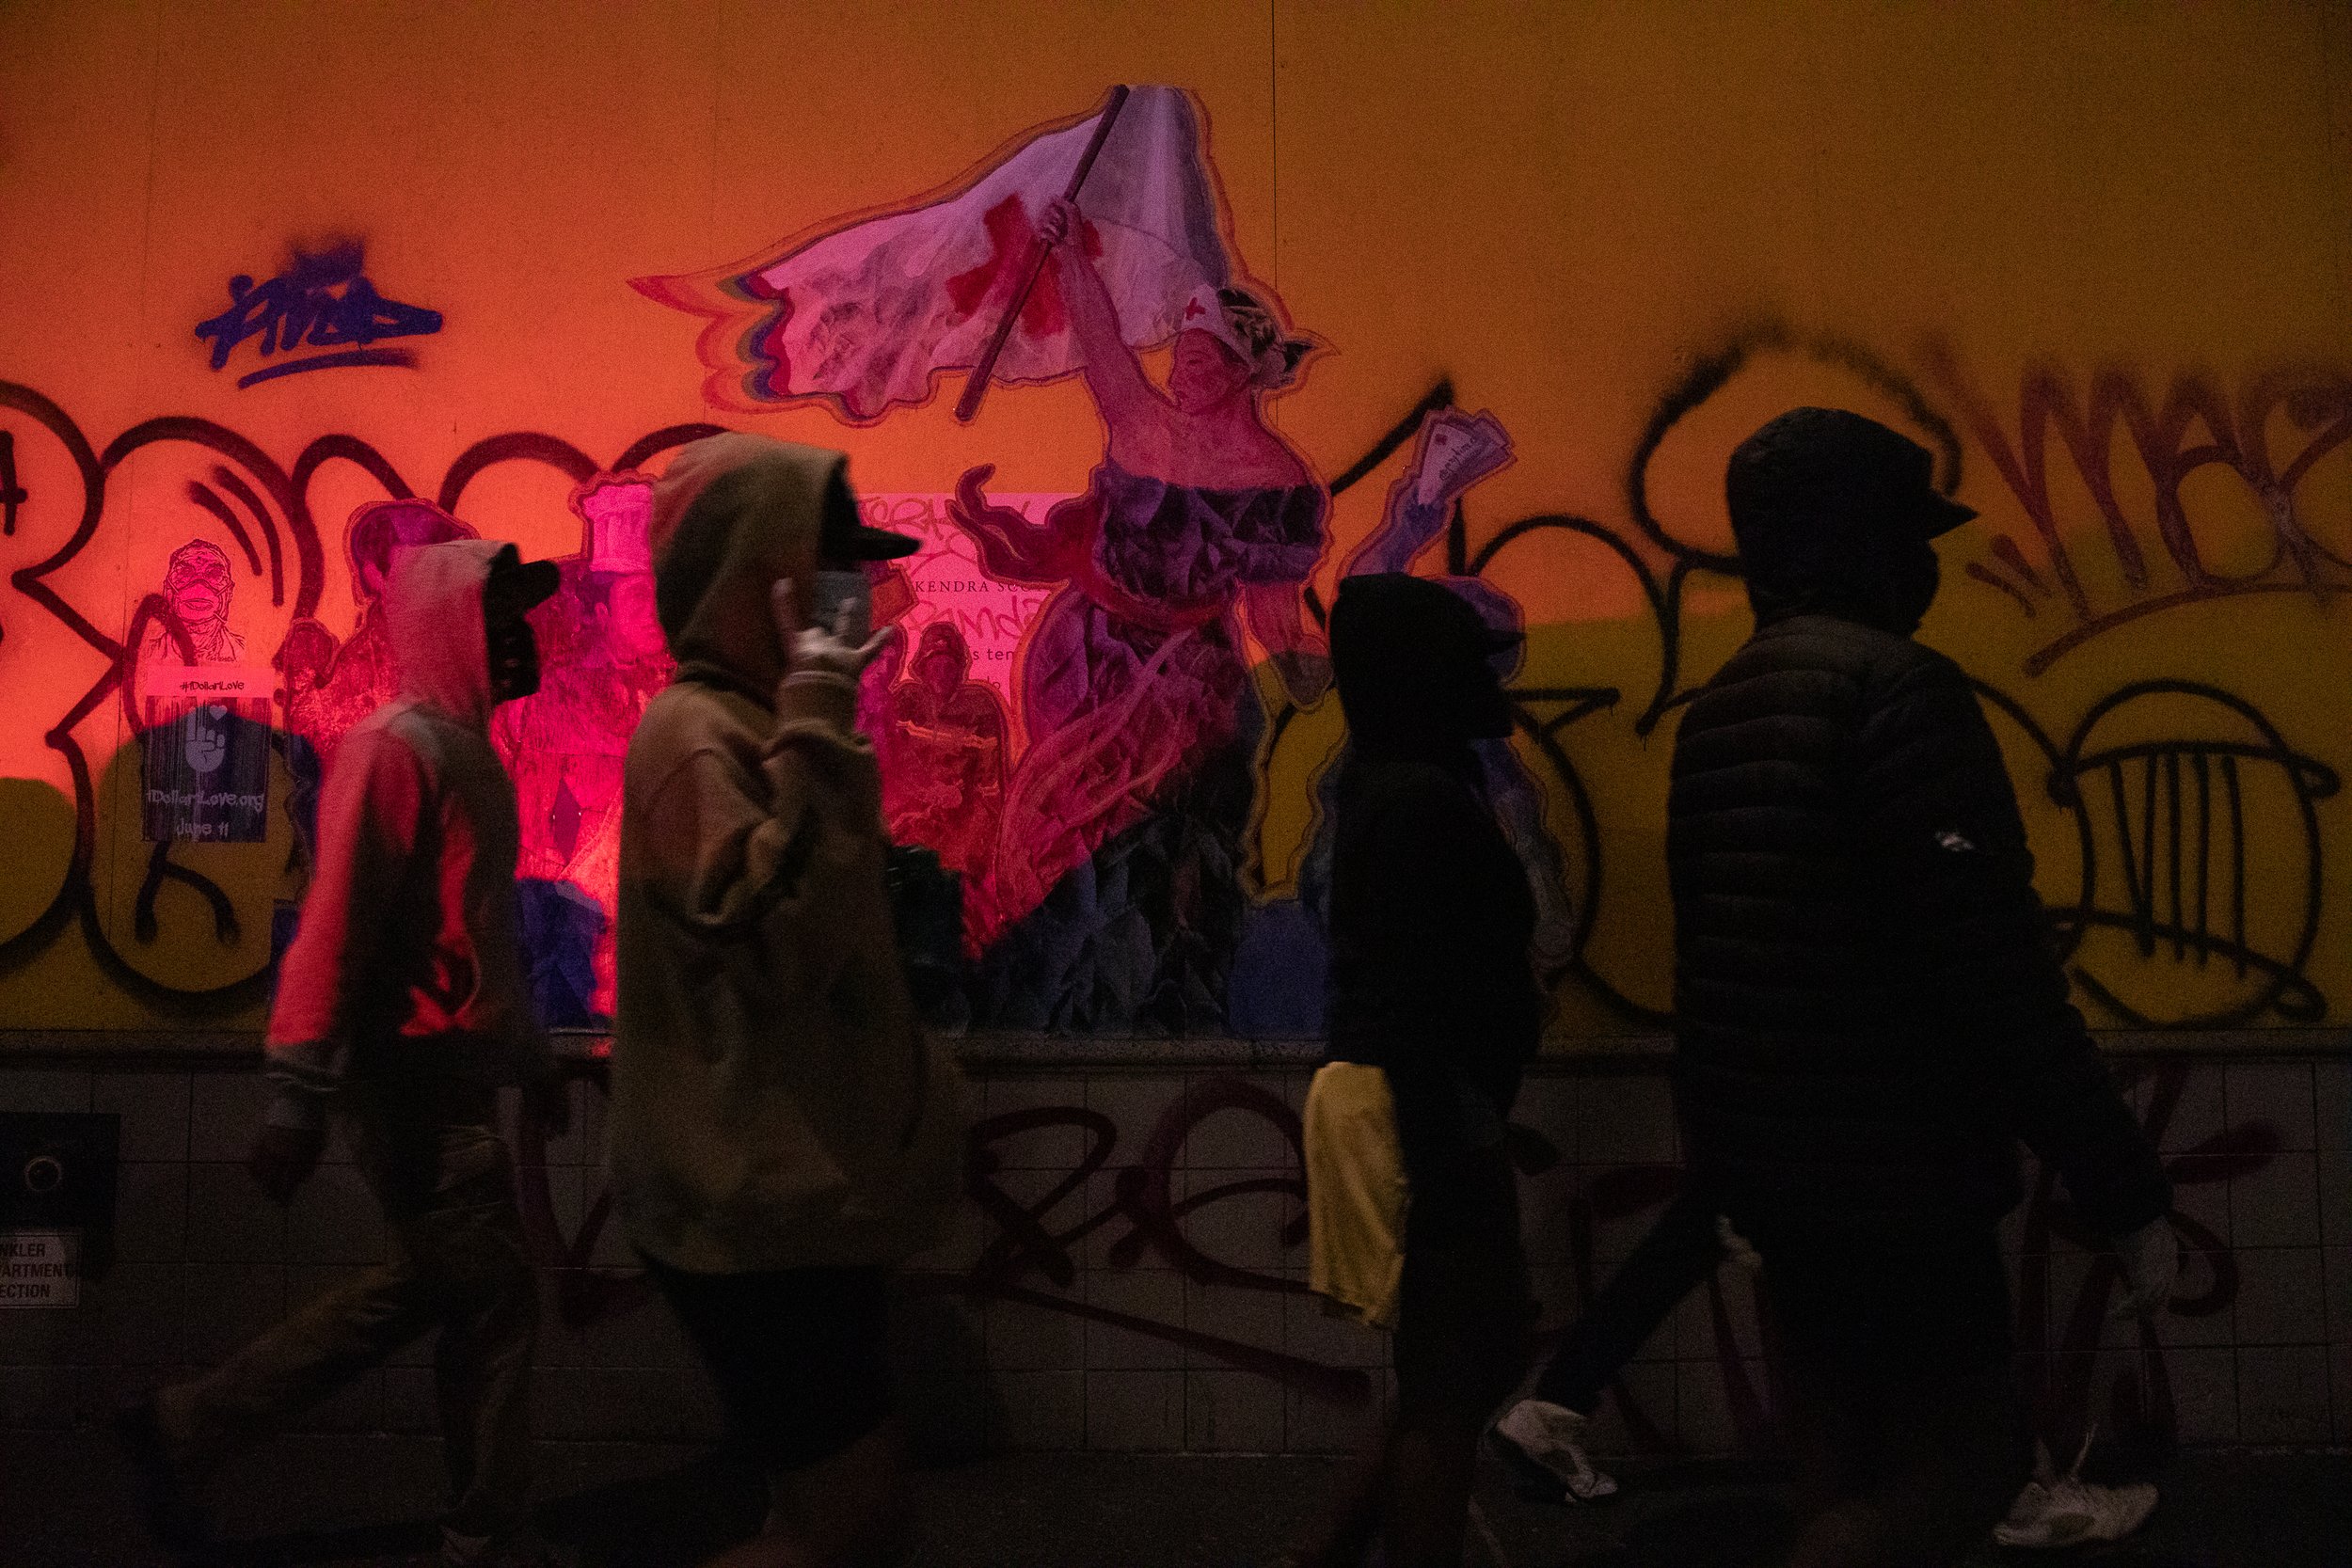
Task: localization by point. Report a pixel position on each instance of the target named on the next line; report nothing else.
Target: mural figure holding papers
(1454, 451)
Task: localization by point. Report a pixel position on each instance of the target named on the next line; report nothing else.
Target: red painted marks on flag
(1012, 239)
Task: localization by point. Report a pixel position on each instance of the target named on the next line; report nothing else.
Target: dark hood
(432, 616)
(731, 514)
(1834, 514)
(1414, 666)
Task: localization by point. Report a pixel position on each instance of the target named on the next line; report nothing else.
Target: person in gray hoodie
(784, 1130)
(400, 1012)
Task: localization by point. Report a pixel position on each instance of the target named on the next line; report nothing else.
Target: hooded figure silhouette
(1431, 913)
(1434, 1012)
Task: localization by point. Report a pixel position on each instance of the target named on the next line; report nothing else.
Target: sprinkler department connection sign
(36, 1269)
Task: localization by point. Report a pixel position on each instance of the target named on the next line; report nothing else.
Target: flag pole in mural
(975, 385)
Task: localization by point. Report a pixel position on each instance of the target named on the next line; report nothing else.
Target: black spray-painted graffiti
(266, 512)
(2179, 833)
(2183, 893)
(322, 301)
(12, 495)
(1028, 1256)
(2181, 804)
(274, 502)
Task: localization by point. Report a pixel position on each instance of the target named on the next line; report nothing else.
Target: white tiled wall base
(1095, 1330)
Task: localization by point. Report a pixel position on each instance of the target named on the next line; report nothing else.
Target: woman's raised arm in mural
(1122, 393)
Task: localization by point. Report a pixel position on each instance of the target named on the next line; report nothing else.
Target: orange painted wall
(1562, 209)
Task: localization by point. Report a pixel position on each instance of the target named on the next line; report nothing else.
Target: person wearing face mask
(1413, 1209)
(784, 1130)
(400, 1012)
(1869, 1015)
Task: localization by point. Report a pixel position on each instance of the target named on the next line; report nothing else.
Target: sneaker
(2041, 1520)
(524, 1548)
(167, 1502)
(2056, 1511)
(1544, 1444)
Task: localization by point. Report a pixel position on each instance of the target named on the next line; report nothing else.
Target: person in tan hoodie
(400, 1012)
(784, 1132)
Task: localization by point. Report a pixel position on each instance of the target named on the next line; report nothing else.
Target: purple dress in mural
(1114, 900)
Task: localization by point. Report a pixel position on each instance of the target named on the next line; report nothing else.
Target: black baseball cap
(1816, 461)
(517, 585)
(840, 536)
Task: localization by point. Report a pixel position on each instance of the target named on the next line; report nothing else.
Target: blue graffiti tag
(318, 302)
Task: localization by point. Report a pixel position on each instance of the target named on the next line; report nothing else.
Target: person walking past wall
(400, 1012)
(1869, 1012)
(1413, 1206)
(784, 1130)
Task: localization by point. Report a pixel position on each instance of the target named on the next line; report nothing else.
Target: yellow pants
(1356, 1192)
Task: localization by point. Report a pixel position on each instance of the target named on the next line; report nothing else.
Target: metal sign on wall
(56, 1204)
(37, 1268)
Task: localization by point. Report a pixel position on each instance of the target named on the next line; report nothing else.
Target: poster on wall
(1085, 761)
(205, 745)
(203, 712)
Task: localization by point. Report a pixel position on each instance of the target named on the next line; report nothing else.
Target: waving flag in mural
(866, 315)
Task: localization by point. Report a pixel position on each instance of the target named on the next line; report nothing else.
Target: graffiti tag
(2175, 569)
(323, 301)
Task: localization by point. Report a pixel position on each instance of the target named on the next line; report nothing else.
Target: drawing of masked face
(199, 586)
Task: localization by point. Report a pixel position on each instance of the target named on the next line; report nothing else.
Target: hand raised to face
(843, 649)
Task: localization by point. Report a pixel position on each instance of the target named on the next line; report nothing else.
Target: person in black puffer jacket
(1869, 1011)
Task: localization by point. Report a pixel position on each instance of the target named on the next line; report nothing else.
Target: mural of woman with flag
(1114, 897)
